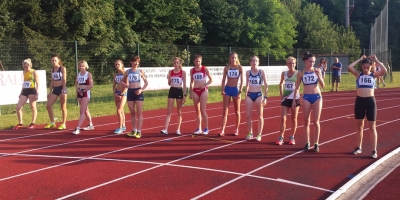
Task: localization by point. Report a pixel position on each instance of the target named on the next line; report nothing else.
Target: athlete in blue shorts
(312, 80)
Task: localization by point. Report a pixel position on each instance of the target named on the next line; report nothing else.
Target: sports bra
(57, 76)
(83, 79)
(310, 78)
(199, 75)
(255, 80)
(134, 76)
(176, 78)
(118, 77)
(233, 72)
(365, 81)
(29, 79)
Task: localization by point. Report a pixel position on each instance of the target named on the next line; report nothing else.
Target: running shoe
(258, 138)
(384, 84)
(249, 136)
(374, 154)
(131, 134)
(89, 127)
(205, 131)
(138, 135)
(51, 125)
(291, 140)
(76, 131)
(178, 132)
(306, 147)
(62, 127)
(316, 147)
(165, 132)
(279, 141)
(118, 131)
(31, 126)
(197, 132)
(123, 128)
(17, 126)
(356, 151)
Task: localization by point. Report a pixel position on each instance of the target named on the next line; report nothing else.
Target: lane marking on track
(365, 119)
(187, 156)
(205, 151)
(211, 138)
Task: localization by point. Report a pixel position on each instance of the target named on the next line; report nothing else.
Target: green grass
(102, 98)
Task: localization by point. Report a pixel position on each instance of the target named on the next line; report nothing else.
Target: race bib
(176, 80)
(233, 73)
(198, 76)
(289, 86)
(366, 80)
(133, 77)
(81, 80)
(56, 75)
(310, 79)
(118, 79)
(254, 81)
(26, 84)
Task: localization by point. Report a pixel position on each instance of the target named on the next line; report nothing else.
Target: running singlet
(29, 79)
(56, 75)
(255, 80)
(365, 81)
(118, 77)
(233, 72)
(176, 78)
(199, 75)
(289, 85)
(133, 76)
(310, 78)
(83, 79)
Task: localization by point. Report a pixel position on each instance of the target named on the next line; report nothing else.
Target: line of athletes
(127, 87)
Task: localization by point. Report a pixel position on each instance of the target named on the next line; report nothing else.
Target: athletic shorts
(231, 91)
(365, 106)
(175, 93)
(28, 91)
(132, 96)
(312, 98)
(254, 95)
(288, 103)
(83, 94)
(335, 79)
(58, 90)
(119, 93)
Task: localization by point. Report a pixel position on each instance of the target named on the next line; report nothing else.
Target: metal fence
(101, 58)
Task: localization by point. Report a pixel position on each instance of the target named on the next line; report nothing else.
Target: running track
(52, 164)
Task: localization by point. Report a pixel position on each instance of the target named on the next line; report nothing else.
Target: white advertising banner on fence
(11, 86)
(157, 76)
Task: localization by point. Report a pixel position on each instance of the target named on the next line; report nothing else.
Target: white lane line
(269, 164)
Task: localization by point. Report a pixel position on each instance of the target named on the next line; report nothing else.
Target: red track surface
(50, 164)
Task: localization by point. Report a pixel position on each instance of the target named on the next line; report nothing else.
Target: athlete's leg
(249, 109)
(203, 105)
(236, 105)
(170, 105)
(21, 102)
(317, 108)
(226, 99)
(32, 102)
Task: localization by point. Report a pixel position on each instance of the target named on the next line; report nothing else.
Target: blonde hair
(290, 58)
(27, 61)
(254, 57)
(180, 61)
(85, 64)
(237, 61)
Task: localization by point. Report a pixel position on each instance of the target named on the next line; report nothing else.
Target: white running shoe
(89, 127)
(197, 132)
(165, 132)
(77, 131)
(205, 131)
(178, 132)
